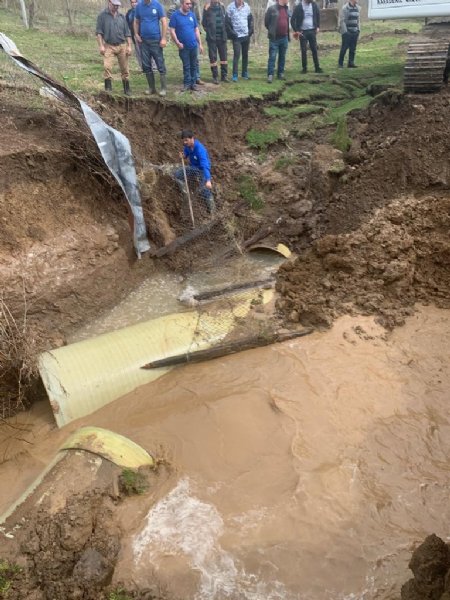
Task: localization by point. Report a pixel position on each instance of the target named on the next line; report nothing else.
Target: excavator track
(425, 66)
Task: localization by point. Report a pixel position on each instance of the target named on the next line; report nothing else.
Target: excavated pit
(370, 229)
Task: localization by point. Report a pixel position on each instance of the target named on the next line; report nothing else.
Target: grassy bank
(300, 105)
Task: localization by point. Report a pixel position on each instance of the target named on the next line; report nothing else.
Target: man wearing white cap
(114, 39)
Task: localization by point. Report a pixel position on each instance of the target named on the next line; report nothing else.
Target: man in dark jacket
(276, 21)
(305, 22)
(213, 22)
(240, 28)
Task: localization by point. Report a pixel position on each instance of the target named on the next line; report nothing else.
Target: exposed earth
(370, 229)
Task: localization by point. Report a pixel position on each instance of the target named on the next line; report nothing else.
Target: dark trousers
(217, 47)
(151, 49)
(349, 42)
(279, 47)
(240, 45)
(189, 59)
(309, 37)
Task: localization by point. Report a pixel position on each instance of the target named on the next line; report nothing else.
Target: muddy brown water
(307, 470)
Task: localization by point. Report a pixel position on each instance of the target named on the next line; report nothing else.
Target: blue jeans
(349, 42)
(194, 174)
(151, 49)
(279, 47)
(189, 59)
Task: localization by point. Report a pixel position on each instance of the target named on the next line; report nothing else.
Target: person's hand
(163, 43)
(128, 51)
(200, 47)
(182, 155)
(208, 185)
(138, 38)
(295, 35)
(180, 45)
(317, 30)
(102, 50)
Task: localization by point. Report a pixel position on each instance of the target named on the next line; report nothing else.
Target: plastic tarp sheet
(113, 145)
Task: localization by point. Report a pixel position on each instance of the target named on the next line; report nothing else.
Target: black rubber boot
(224, 73)
(151, 82)
(215, 75)
(108, 85)
(163, 90)
(126, 87)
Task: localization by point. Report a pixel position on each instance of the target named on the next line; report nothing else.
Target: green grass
(7, 574)
(261, 139)
(248, 191)
(133, 482)
(119, 594)
(340, 139)
(284, 161)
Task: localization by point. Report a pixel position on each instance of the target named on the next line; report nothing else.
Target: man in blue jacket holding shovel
(199, 168)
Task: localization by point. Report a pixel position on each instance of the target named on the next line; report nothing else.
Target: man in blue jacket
(185, 33)
(199, 168)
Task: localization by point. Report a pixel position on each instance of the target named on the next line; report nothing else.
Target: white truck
(427, 64)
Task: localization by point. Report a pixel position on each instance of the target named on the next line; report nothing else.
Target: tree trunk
(23, 10)
(69, 13)
(31, 13)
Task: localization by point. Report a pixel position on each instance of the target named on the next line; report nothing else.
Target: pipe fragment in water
(91, 456)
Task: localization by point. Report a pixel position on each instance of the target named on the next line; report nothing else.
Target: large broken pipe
(83, 377)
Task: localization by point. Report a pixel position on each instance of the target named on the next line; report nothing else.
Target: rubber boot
(151, 82)
(163, 90)
(210, 204)
(215, 75)
(126, 87)
(108, 85)
(224, 73)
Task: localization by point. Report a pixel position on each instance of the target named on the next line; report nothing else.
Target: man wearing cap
(185, 33)
(150, 29)
(199, 168)
(114, 39)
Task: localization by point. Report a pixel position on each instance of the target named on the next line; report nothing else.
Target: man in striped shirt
(349, 27)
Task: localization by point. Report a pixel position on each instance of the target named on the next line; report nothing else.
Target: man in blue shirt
(199, 168)
(185, 33)
(150, 30)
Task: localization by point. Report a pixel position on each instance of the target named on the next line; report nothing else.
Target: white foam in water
(184, 525)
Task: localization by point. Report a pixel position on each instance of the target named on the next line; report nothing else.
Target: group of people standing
(305, 24)
(146, 25)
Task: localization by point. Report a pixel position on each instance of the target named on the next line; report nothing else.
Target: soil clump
(430, 564)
